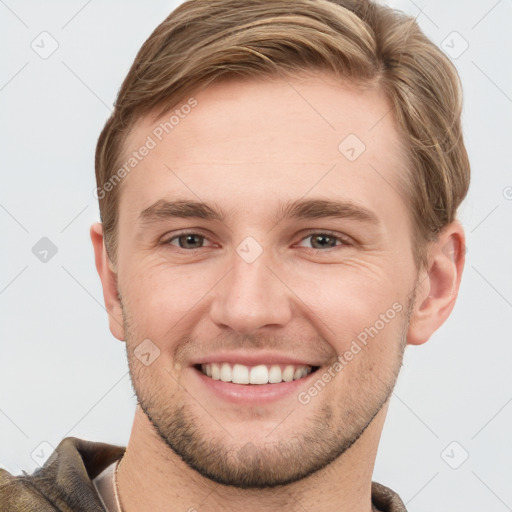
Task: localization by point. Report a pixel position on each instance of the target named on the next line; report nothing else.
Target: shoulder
(386, 500)
(63, 483)
(18, 495)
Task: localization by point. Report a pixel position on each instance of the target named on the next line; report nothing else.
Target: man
(278, 188)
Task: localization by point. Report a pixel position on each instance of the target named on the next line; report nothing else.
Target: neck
(152, 477)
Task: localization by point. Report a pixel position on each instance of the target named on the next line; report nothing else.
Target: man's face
(262, 283)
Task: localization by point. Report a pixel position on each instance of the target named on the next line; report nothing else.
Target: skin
(249, 147)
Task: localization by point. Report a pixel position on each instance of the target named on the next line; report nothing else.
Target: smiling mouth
(258, 375)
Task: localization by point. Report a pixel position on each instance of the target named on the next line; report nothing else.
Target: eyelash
(343, 240)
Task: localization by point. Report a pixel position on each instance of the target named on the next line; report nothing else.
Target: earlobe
(437, 288)
(108, 277)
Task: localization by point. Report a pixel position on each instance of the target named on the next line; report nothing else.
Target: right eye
(187, 241)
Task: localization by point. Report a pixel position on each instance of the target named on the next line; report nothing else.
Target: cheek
(341, 302)
(161, 295)
(345, 300)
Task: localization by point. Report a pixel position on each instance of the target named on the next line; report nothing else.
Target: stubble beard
(316, 442)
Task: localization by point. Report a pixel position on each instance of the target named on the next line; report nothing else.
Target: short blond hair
(358, 41)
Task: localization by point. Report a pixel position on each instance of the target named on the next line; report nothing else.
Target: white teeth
(260, 374)
(225, 373)
(240, 374)
(274, 375)
(288, 373)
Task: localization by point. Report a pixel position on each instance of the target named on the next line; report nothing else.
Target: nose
(250, 297)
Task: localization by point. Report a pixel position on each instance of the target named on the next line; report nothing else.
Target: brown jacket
(64, 483)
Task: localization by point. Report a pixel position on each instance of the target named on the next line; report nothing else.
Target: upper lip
(255, 358)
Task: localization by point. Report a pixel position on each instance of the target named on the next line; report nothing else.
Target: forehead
(261, 139)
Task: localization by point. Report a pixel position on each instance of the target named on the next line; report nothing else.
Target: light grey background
(63, 374)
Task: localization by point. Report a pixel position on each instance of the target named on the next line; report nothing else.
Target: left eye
(322, 241)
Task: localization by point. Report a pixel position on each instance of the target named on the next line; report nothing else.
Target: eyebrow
(299, 209)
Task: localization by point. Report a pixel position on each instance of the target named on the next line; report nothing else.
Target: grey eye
(322, 241)
(188, 241)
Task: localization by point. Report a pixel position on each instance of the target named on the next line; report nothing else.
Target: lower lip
(253, 394)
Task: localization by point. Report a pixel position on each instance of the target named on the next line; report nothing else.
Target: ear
(108, 278)
(438, 285)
